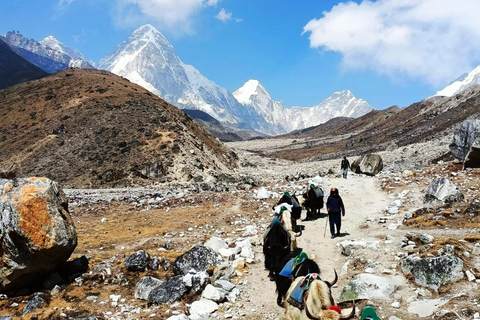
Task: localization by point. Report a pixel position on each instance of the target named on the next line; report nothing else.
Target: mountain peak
(344, 92)
(249, 88)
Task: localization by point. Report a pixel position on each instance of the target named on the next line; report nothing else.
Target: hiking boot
(338, 234)
(333, 236)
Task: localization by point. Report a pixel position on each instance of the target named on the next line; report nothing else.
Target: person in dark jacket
(336, 210)
(345, 165)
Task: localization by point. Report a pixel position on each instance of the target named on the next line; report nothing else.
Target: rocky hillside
(381, 129)
(90, 128)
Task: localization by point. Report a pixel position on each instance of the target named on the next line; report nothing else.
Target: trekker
(336, 210)
(345, 165)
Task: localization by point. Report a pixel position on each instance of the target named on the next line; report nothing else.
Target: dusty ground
(181, 223)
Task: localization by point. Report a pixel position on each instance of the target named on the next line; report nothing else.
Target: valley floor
(110, 230)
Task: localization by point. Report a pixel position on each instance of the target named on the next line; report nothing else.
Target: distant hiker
(336, 210)
(345, 165)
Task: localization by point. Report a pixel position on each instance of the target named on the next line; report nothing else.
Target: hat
(369, 313)
(312, 185)
(283, 208)
(286, 193)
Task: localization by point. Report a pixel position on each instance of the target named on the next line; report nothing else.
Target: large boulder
(171, 290)
(441, 191)
(37, 234)
(369, 164)
(369, 286)
(434, 272)
(145, 286)
(473, 157)
(464, 137)
(199, 258)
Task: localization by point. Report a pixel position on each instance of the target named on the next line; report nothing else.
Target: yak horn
(309, 315)
(298, 234)
(342, 317)
(334, 280)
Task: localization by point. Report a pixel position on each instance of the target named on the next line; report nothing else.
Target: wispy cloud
(224, 15)
(173, 14)
(432, 40)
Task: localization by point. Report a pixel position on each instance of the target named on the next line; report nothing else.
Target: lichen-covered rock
(434, 272)
(369, 286)
(369, 164)
(37, 234)
(171, 290)
(199, 258)
(464, 137)
(442, 190)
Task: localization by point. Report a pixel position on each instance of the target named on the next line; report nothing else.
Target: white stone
(470, 275)
(396, 305)
(426, 307)
(203, 308)
(226, 252)
(213, 293)
(233, 295)
(249, 231)
(216, 243)
(262, 193)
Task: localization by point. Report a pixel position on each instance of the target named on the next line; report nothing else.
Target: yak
(276, 245)
(283, 282)
(288, 222)
(318, 303)
(292, 200)
(313, 201)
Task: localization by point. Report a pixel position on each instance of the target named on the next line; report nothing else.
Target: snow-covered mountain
(148, 59)
(282, 119)
(49, 59)
(77, 60)
(462, 83)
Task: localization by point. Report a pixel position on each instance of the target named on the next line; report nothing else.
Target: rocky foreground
(194, 251)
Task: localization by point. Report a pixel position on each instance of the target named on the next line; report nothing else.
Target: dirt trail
(363, 199)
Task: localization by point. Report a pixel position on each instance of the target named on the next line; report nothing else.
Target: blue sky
(388, 52)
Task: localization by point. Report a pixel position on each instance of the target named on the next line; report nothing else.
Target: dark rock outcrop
(171, 290)
(369, 164)
(472, 159)
(37, 234)
(137, 261)
(199, 258)
(464, 137)
(145, 286)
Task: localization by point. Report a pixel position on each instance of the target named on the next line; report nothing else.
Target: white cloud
(173, 14)
(432, 40)
(224, 15)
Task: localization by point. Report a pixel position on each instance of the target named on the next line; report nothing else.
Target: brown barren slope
(90, 128)
(378, 129)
